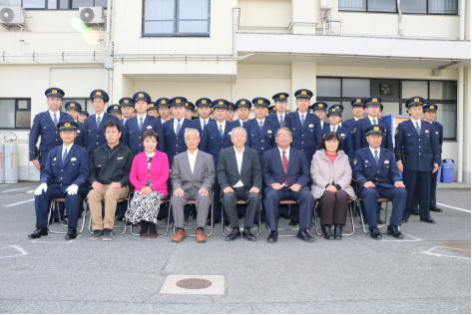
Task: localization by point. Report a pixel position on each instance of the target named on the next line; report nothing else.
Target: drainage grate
(194, 283)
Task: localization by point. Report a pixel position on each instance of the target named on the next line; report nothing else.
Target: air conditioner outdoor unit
(11, 15)
(325, 4)
(91, 15)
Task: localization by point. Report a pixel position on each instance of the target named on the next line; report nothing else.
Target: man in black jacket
(110, 166)
(240, 178)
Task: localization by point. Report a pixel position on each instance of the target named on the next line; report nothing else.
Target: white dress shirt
(58, 115)
(334, 128)
(372, 120)
(416, 121)
(372, 150)
(204, 122)
(192, 159)
(287, 154)
(64, 148)
(239, 161)
(176, 123)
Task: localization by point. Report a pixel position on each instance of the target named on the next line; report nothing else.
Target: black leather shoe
(305, 236)
(247, 234)
(38, 233)
(235, 233)
(273, 237)
(375, 233)
(435, 209)
(96, 235)
(338, 232)
(71, 234)
(327, 232)
(428, 220)
(394, 231)
(293, 223)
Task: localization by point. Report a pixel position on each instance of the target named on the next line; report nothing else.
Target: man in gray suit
(240, 178)
(193, 176)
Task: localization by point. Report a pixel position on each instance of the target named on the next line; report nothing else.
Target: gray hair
(238, 129)
(189, 130)
(283, 129)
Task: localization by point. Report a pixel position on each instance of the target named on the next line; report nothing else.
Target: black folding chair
(54, 203)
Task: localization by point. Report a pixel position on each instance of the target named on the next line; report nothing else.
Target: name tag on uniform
(269, 131)
(120, 158)
(387, 162)
(55, 158)
(73, 159)
(426, 131)
(311, 126)
(149, 127)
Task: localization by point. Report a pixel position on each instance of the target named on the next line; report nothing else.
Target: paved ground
(428, 272)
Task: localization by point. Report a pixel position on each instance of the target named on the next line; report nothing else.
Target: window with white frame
(176, 18)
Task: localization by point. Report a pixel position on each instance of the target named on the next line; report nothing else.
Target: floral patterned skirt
(144, 208)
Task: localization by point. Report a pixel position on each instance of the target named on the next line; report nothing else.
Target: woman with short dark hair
(331, 175)
(149, 175)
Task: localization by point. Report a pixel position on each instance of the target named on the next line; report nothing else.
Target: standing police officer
(373, 105)
(260, 131)
(94, 135)
(278, 119)
(319, 109)
(204, 111)
(174, 129)
(127, 109)
(243, 109)
(358, 105)
(45, 125)
(418, 156)
(135, 126)
(305, 126)
(429, 110)
(64, 176)
(335, 118)
(74, 109)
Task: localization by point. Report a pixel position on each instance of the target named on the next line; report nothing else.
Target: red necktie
(285, 165)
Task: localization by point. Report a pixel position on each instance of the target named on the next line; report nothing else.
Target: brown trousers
(111, 197)
(333, 207)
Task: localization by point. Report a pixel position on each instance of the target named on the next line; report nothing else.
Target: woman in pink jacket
(149, 175)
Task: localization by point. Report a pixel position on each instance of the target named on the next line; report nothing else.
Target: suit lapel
(292, 157)
(245, 161)
(198, 163)
(70, 154)
(49, 118)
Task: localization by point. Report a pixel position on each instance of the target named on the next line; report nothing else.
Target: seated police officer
(377, 174)
(110, 166)
(240, 178)
(64, 176)
(286, 174)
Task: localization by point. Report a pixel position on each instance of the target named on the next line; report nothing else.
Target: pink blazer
(159, 172)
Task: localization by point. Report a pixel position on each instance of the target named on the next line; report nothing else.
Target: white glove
(41, 188)
(72, 190)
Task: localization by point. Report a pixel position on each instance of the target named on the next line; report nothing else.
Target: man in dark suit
(174, 129)
(240, 178)
(286, 175)
(138, 124)
(261, 132)
(45, 126)
(94, 134)
(373, 106)
(243, 109)
(430, 110)
(418, 156)
(278, 118)
(304, 125)
(204, 111)
(358, 105)
(64, 176)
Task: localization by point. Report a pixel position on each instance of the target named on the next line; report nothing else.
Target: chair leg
(351, 214)
(361, 216)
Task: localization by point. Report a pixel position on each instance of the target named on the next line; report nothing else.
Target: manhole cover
(194, 283)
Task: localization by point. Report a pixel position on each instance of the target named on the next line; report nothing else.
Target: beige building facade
(340, 49)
